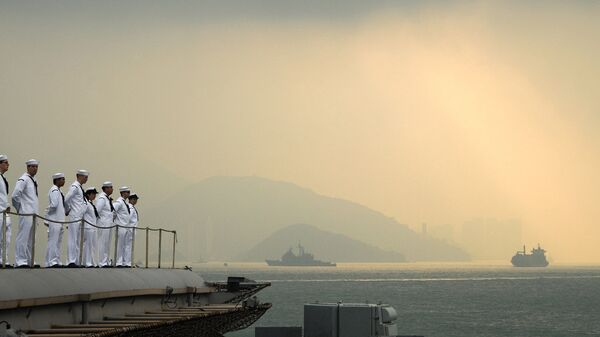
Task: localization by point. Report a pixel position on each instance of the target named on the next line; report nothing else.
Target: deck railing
(82, 224)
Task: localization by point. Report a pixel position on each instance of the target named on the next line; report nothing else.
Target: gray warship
(537, 258)
(148, 300)
(303, 259)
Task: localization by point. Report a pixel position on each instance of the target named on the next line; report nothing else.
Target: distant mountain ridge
(323, 244)
(224, 217)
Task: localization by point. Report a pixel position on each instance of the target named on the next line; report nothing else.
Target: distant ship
(537, 258)
(303, 259)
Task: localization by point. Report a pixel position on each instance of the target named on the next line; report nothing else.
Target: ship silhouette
(537, 258)
(303, 259)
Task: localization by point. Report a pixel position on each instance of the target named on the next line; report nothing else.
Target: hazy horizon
(435, 112)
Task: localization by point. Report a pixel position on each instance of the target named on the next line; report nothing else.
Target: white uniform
(3, 206)
(122, 216)
(76, 205)
(25, 201)
(129, 237)
(106, 213)
(56, 212)
(89, 236)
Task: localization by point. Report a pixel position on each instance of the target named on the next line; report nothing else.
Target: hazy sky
(427, 111)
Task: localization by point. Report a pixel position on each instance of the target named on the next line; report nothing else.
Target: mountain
(323, 244)
(223, 217)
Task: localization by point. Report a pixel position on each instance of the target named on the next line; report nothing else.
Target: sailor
(4, 206)
(90, 216)
(122, 215)
(55, 213)
(106, 210)
(25, 201)
(76, 204)
(130, 236)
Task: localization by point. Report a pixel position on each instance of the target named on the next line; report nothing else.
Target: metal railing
(82, 224)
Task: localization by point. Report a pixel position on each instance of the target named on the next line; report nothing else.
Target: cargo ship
(303, 259)
(537, 258)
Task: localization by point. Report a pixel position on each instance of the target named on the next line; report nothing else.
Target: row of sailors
(78, 204)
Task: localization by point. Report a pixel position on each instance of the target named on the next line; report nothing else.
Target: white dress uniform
(76, 204)
(56, 212)
(25, 201)
(3, 206)
(133, 221)
(106, 212)
(122, 215)
(89, 236)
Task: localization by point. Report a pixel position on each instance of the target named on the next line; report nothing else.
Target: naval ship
(537, 258)
(148, 300)
(303, 259)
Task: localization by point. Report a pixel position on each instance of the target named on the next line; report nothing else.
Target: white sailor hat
(84, 173)
(3, 157)
(107, 184)
(58, 176)
(124, 189)
(91, 190)
(133, 196)
(32, 162)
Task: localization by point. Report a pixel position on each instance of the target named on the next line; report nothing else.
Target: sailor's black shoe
(55, 266)
(23, 266)
(72, 265)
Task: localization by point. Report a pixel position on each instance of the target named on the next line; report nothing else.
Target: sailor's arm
(132, 219)
(117, 206)
(53, 201)
(17, 194)
(100, 204)
(70, 195)
(4, 205)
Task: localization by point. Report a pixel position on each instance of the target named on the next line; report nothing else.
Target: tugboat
(303, 259)
(537, 258)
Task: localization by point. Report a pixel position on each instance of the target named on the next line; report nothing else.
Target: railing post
(147, 241)
(116, 245)
(33, 225)
(133, 246)
(85, 308)
(174, 241)
(81, 243)
(4, 239)
(159, 245)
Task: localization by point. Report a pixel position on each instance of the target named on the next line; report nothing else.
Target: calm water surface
(437, 300)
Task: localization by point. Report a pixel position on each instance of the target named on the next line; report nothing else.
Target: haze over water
(427, 111)
(438, 300)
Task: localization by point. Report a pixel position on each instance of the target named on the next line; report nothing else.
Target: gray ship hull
(115, 301)
(315, 263)
(529, 261)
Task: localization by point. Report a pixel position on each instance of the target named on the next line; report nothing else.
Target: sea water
(436, 300)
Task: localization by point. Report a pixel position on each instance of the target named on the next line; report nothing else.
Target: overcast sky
(427, 111)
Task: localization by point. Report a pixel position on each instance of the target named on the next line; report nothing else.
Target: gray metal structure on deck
(123, 302)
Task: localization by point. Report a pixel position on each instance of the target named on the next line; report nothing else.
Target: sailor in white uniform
(106, 210)
(25, 201)
(76, 205)
(55, 212)
(89, 233)
(122, 215)
(130, 235)
(4, 206)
